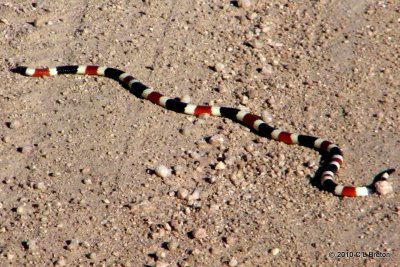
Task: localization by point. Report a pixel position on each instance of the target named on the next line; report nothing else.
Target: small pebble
(267, 70)
(5, 21)
(383, 187)
(275, 251)
(185, 99)
(200, 233)
(87, 181)
(216, 140)
(10, 256)
(219, 67)
(32, 245)
(6, 139)
(73, 245)
(15, 124)
(61, 262)
(85, 170)
(160, 254)
(39, 22)
(26, 150)
(195, 195)
(172, 245)
(161, 264)
(163, 171)
(92, 256)
(214, 208)
(257, 44)
(233, 262)
(40, 186)
(182, 193)
(230, 240)
(220, 166)
(244, 3)
(21, 209)
(266, 116)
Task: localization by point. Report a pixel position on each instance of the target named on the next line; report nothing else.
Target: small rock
(40, 186)
(73, 245)
(275, 251)
(5, 21)
(233, 262)
(383, 187)
(172, 245)
(160, 254)
(92, 256)
(200, 233)
(266, 116)
(257, 44)
(185, 99)
(267, 70)
(182, 193)
(161, 264)
(61, 262)
(21, 209)
(163, 171)
(26, 150)
(15, 124)
(31, 245)
(6, 139)
(244, 3)
(220, 166)
(195, 195)
(10, 256)
(39, 22)
(87, 181)
(85, 170)
(216, 140)
(230, 240)
(219, 67)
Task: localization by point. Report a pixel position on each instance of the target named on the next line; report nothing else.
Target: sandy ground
(77, 154)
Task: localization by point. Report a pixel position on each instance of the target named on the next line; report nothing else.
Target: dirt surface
(78, 154)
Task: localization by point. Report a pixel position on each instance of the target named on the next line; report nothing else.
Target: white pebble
(172, 245)
(195, 195)
(257, 44)
(85, 170)
(216, 139)
(40, 186)
(383, 187)
(32, 245)
(161, 264)
(61, 262)
(219, 67)
(6, 139)
(200, 233)
(275, 251)
(73, 245)
(267, 70)
(21, 209)
(233, 262)
(185, 99)
(182, 193)
(26, 150)
(220, 166)
(163, 171)
(244, 3)
(15, 124)
(266, 116)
